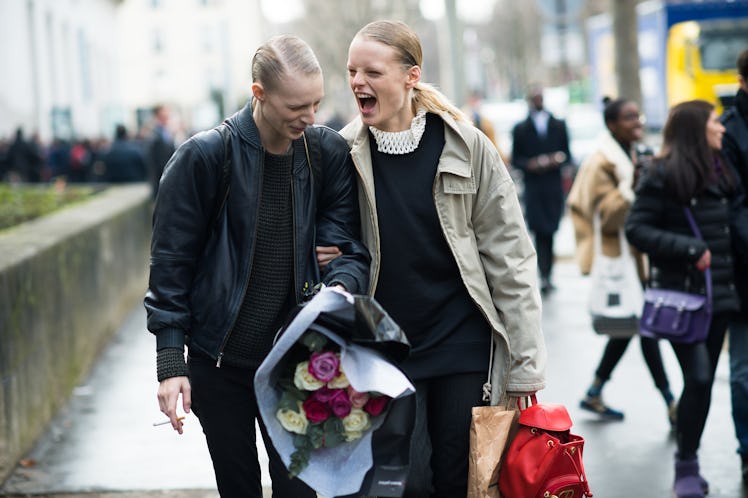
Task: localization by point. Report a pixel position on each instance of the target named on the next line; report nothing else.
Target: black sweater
(419, 282)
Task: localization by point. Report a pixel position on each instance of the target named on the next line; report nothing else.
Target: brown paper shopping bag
(491, 429)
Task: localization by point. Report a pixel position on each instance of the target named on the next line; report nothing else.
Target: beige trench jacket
(597, 188)
(482, 221)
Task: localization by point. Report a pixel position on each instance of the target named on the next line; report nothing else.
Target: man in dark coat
(540, 148)
(124, 161)
(735, 150)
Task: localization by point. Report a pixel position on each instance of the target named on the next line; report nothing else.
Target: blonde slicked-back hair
(282, 55)
(405, 41)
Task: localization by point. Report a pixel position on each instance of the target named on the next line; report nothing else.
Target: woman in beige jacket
(452, 261)
(604, 186)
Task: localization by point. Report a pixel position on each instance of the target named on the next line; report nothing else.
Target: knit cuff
(170, 363)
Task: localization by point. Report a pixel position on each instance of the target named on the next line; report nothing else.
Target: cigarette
(164, 422)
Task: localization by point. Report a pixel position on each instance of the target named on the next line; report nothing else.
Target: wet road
(103, 443)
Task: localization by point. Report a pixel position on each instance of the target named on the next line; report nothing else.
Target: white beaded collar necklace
(401, 142)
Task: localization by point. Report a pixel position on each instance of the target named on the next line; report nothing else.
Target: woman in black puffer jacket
(691, 173)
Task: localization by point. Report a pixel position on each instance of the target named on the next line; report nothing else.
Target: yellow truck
(687, 50)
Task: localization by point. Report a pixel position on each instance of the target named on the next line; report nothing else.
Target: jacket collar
(246, 126)
(613, 152)
(248, 131)
(455, 157)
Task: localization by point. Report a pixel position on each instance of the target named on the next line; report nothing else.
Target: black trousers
(544, 248)
(441, 437)
(650, 350)
(698, 362)
(224, 401)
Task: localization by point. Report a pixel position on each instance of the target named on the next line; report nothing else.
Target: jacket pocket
(455, 184)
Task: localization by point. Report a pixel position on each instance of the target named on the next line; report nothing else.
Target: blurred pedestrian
(540, 148)
(81, 161)
(690, 173)
(160, 145)
(452, 263)
(124, 162)
(473, 111)
(232, 255)
(59, 158)
(603, 187)
(735, 150)
(24, 159)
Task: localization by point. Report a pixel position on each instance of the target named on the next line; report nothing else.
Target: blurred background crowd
(83, 69)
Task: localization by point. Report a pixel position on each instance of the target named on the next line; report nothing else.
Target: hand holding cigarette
(169, 392)
(167, 421)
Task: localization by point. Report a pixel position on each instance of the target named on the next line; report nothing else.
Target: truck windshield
(719, 47)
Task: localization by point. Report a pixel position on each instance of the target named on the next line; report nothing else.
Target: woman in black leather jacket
(238, 214)
(690, 173)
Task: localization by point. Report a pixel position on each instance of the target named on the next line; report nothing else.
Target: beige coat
(480, 216)
(598, 186)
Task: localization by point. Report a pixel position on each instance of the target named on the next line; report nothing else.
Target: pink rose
(358, 400)
(324, 394)
(316, 411)
(376, 406)
(340, 404)
(324, 366)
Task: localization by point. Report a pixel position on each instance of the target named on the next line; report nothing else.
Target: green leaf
(334, 430)
(301, 442)
(299, 461)
(289, 401)
(316, 435)
(290, 388)
(313, 340)
(334, 425)
(333, 439)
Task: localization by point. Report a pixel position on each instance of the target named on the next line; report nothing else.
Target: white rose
(339, 382)
(356, 421)
(353, 435)
(293, 421)
(302, 379)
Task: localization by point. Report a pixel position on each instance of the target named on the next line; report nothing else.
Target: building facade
(76, 68)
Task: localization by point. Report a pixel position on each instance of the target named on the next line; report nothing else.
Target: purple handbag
(675, 315)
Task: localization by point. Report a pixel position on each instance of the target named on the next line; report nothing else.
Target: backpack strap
(225, 185)
(313, 151)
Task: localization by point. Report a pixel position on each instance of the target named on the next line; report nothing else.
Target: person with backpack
(239, 211)
(452, 262)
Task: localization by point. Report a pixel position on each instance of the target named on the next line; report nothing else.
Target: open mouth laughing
(366, 102)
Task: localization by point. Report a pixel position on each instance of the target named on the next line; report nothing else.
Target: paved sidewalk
(103, 444)
(104, 439)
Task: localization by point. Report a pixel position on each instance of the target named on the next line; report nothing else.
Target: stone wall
(66, 282)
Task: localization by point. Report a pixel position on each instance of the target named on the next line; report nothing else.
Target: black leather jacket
(657, 226)
(735, 150)
(201, 249)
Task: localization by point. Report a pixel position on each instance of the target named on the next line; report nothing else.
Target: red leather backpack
(544, 459)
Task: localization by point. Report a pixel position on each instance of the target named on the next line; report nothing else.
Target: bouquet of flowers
(318, 404)
(328, 386)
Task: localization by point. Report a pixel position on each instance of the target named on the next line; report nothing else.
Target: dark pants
(441, 438)
(544, 248)
(224, 401)
(698, 362)
(650, 350)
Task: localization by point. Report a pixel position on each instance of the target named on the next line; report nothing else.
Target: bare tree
(513, 38)
(626, 49)
(330, 26)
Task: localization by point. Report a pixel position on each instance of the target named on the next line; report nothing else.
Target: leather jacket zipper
(251, 258)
